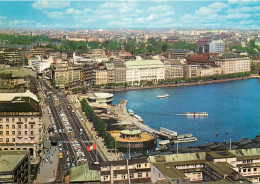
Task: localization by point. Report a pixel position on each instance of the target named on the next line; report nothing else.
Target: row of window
(13, 133)
(124, 176)
(18, 119)
(247, 170)
(13, 139)
(19, 126)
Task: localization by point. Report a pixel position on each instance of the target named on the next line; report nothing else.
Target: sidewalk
(93, 134)
(48, 167)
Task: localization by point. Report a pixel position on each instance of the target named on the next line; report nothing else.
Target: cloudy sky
(131, 14)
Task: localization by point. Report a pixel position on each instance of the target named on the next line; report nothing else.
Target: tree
(164, 47)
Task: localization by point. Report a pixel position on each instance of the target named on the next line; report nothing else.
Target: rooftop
(231, 55)
(131, 132)
(143, 63)
(221, 154)
(169, 170)
(84, 174)
(10, 159)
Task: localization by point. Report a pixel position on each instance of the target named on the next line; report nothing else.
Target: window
(13, 140)
(7, 120)
(1, 126)
(123, 176)
(140, 175)
(244, 170)
(255, 169)
(115, 176)
(7, 126)
(13, 132)
(131, 175)
(145, 165)
(25, 126)
(249, 170)
(1, 139)
(138, 165)
(13, 120)
(31, 126)
(13, 126)
(19, 126)
(7, 132)
(7, 139)
(31, 132)
(105, 177)
(25, 119)
(25, 132)
(19, 133)
(1, 132)
(147, 174)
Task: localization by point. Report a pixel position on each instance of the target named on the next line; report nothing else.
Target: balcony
(19, 122)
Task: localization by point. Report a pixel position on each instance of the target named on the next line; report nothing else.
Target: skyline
(157, 14)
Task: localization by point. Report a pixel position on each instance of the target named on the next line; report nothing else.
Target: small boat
(163, 96)
(130, 112)
(168, 132)
(185, 138)
(196, 114)
(138, 118)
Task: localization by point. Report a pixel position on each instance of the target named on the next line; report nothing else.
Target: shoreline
(176, 85)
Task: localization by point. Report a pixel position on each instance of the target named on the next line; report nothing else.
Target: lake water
(233, 107)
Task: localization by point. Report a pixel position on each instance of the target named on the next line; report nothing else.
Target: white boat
(196, 114)
(185, 138)
(168, 132)
(138, 118)
(130, 112)
(163, 96)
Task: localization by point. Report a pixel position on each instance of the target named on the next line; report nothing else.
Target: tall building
(173, 69)
(203, 45)
(233, 63)
(99, 76)
(190, 71)
(217, 46)
(15, 167)
(120, 72)
(13, 57)
(21, 126)
(149, 70)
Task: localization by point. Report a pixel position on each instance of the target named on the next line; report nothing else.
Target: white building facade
(217, 46)
(144, 70)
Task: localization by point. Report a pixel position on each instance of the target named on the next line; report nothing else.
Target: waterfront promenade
(106, 154)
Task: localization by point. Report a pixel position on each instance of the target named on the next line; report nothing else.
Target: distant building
(99, 76)
(150, 70)
(177, 54)
(208, 70)
(21, 125)
(190, 71)
(13, 57)
(173, 69)
(15, 167)
(217, 46)
(120, 72)
(110, 73)
(200, 59)
(233, 63)
(203, 45)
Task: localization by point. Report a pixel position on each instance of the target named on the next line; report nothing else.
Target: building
(110, 73)
(173, 69)
(234, 166)
(203, 45)
(99, 76)
(21, 126)
(40, 66)
(65, 76)
(208, 70)
(200, 59)
(177, 54)
(15, 167)
(13, 57)
(233, 63)
(86, 74)
(144, 70)
(120, 72)
(190, 71)
(217, 46)
(126, 171)
(97, 100)
(256, 63)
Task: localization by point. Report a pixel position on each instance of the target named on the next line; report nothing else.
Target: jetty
(131, 120)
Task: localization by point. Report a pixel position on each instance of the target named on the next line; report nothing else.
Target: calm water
(232, 106)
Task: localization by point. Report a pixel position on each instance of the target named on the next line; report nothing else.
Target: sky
(141, 14)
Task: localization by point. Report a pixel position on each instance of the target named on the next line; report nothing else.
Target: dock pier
(131, 120)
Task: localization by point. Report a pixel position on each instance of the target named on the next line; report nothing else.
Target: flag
(92, 147)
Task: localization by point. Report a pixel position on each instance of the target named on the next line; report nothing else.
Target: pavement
(48, 167)
(111, 156)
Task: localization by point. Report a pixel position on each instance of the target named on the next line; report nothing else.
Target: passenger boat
(163, 96)
(168, 132)
(196, 114)
(185, 138)
(138, 118)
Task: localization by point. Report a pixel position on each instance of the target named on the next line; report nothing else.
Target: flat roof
(83, 174)
(10, 159)
(221, 154)
(131, 132)
(169, 170)
(143, 63)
